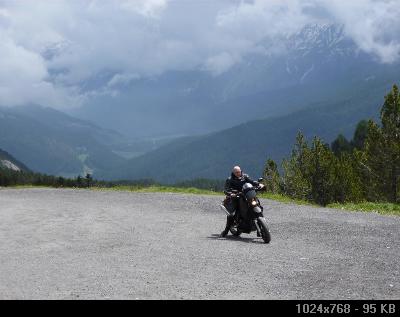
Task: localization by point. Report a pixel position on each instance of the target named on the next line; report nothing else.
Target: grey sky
(49, 48)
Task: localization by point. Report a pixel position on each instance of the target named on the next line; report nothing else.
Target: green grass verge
(139, 189)
(27, 186)
(285, 199)
(159, 189)
(381, 208)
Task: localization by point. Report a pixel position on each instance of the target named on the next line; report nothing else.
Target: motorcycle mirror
(260, 180)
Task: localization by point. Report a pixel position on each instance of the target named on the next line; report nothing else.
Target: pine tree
(390, 117)
(79, 181)
(347, 181)
(88, 180)
(272, 177)
(322, 178)
(373, 164)
(296, 171)
(381, 159)
(341, 145)
(360, 135)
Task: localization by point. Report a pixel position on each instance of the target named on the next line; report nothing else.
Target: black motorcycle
(249, 217)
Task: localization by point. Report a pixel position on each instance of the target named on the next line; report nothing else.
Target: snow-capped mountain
(316, 65)
(328, 39)
(308, 56)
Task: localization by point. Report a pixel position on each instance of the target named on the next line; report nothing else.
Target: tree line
(10, 177)
(366, 168)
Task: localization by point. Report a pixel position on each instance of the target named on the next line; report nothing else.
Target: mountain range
(322, 85)
(194, 124)
(315, 66)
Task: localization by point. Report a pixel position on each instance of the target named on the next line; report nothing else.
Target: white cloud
(50, 48)
(220, 63)
(122, 79)
(373, 24)
(150, 8)
(24, 78)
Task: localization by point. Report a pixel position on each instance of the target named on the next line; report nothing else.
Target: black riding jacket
(236, 183)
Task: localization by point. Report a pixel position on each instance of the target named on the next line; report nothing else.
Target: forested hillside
(51, 142)
(249, 144)
(365, 168)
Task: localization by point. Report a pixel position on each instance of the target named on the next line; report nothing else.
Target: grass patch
(27, 186)
(380, 208)
(197, 191)
(160, 189)
(285, 199)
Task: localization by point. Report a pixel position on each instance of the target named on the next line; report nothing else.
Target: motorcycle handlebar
(238, 193)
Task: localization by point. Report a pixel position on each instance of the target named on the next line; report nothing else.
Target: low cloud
(50, 49)
(24, 78)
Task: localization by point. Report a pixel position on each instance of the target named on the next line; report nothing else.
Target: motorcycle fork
(258, 228)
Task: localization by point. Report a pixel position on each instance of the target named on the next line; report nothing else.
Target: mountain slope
(50, 142)
(7, 161)
(251, 143)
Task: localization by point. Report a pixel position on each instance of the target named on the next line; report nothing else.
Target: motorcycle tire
(265, 234)
(235, 231)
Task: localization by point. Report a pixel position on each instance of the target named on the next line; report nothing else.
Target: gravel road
(82, 244)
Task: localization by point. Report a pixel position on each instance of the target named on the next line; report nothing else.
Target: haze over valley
(174, 99)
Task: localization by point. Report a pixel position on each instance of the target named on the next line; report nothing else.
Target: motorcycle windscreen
(251, 194)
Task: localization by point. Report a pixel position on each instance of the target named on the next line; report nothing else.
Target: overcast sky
(49, 48)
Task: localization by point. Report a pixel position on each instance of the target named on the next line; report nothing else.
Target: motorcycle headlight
(254, 203)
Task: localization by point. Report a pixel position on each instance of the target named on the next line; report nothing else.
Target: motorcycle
(249, 217)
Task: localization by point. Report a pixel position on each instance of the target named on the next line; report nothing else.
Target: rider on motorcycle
(234, 183)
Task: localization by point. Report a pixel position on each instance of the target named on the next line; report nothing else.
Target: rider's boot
(229, 223)
(224, 233)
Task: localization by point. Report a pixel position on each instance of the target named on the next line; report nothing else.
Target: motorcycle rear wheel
(265, 234)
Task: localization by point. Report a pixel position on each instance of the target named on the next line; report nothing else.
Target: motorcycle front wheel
(265, 234)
